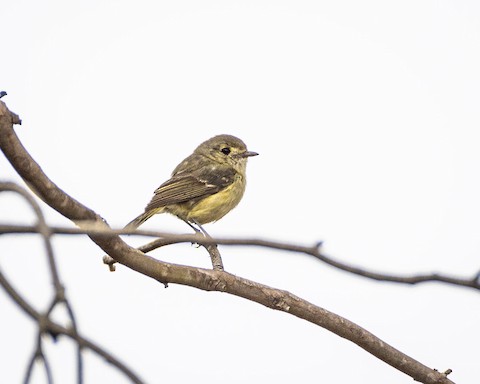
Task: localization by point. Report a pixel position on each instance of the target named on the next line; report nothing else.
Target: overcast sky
(366, 118)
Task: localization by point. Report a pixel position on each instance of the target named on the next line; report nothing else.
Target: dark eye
(226, 150)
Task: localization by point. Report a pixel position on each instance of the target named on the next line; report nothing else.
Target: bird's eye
(226, 151)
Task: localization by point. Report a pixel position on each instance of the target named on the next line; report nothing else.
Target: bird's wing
(196, 185)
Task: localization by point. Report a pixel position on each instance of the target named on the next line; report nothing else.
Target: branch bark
(199, 278)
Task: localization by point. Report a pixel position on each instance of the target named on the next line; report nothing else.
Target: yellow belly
(214, 207)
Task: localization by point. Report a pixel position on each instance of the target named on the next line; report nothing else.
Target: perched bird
(205, 186)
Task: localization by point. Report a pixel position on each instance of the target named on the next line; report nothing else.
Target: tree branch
(56, 329)
(165, 238)
(201, 278)
(59, 297)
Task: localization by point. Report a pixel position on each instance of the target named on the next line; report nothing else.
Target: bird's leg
(200, 229)
(204, 232)
(197, 231)
(193, 227)
(212, 249)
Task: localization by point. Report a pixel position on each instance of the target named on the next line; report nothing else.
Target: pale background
(366, 118)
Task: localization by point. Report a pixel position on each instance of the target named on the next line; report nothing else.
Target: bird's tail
(139, 220)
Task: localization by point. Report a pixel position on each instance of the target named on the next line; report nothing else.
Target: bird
(205, 186)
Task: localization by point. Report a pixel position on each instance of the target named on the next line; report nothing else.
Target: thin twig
(315, 251)
(59, 295)
(38, 355)
(73, 320)
(55, 328)
(164, 239)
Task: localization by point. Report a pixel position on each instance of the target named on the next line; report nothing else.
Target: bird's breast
(214, 207)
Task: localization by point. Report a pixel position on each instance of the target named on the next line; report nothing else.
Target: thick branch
(200, 278)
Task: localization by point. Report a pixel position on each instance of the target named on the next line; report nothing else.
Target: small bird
(205, 186)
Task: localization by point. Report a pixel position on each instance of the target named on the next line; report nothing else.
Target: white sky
(366, 118)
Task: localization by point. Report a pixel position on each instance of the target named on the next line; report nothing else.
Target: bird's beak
(249, 154)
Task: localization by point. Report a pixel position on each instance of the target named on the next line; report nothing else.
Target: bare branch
(208, 280)
(53, 328)
(314, 251)
(165, 238)
(59, 298)
(59, 295)
(38, 355)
